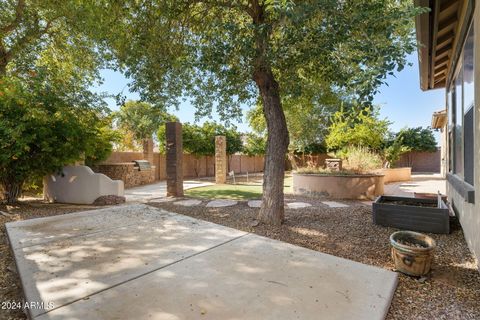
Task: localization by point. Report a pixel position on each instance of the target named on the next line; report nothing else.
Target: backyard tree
(224, 53)
(308, 118)
(359, 127)
(42, 128)
(255, 144)
(417, 139)
(59, 34)
(141, 119)
(199, 140)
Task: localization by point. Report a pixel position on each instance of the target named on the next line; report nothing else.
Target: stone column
(174, 155)
(220, 159)
(148, 150)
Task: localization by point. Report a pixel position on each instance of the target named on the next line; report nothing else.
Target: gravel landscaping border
(451, 291)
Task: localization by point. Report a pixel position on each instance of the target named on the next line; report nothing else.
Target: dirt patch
(10, 288)
(410, 203)
(451, 290)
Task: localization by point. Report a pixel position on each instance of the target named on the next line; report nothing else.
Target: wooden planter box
(415, 214)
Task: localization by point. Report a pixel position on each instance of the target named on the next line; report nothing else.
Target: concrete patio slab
(158, 190)
(177, 267)
(37, 231)
(421, 183)
(62, 270)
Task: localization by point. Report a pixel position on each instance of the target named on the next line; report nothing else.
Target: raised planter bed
(397, 174)
(416, 214)
(338, 186)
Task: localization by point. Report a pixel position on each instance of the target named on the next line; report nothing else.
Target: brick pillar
(148, 150)
(220, 159)
(174, 154)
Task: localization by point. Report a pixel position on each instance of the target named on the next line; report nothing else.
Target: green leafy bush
(357, 128)
(417, 139)
(325, 172)
(42, 128)
(393, 152)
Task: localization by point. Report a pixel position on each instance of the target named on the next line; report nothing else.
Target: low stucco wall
(360, 187)
(397, 174)
(79, 185)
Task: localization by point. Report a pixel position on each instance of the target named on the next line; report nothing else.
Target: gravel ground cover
(10, 288)
(451, 290)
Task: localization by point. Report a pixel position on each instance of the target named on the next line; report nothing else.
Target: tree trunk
(12, 190)
(3, 61)
(272, 210)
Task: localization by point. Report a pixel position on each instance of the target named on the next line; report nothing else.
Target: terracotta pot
(412, 252)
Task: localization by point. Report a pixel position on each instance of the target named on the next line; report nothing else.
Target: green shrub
(325, 172)
(361, 159)
(393, 152)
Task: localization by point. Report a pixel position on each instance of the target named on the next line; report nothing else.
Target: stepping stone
(366, 203)
(221, 203)
(255, 203)
(298, 205)
(163, 199)
(188, 203)
(334, 204)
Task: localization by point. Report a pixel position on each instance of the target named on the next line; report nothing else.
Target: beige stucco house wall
(469, 213)
(442, 33)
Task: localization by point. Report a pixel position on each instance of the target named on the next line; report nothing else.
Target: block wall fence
(193, 166)
(204, 166)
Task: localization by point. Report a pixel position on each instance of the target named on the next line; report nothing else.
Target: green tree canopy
(141, 119)
(307, 119)
(358, 127)
(200, 140)
(225, 53)
(42, 128)
(417, 139)
(255, 144)
(64, 36)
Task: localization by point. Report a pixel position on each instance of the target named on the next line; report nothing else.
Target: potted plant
(412, 252)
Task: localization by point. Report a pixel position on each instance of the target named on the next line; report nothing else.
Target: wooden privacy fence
(193, 166)
(204, 166)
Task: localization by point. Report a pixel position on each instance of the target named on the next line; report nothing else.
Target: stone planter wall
(127, 172)
(359, 187)
(397, 174)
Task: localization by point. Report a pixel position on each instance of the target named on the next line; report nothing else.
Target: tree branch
(19, 9)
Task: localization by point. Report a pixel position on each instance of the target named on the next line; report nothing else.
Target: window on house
(451, 127)
(468, 108)
(458, 120)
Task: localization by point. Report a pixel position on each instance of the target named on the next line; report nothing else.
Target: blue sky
(402, 101)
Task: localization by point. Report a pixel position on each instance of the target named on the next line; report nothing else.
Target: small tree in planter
(357, 127)
(393, 152)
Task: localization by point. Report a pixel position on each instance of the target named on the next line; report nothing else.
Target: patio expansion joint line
(144, 274)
